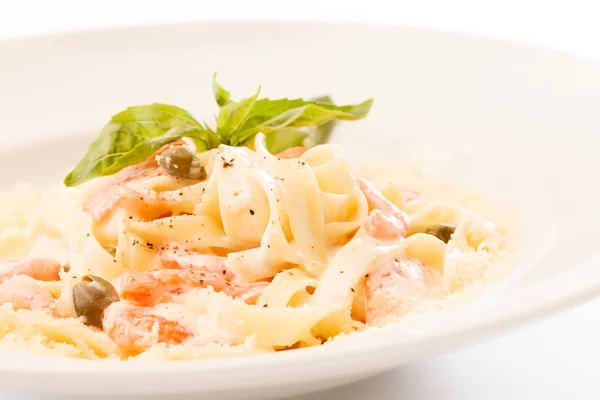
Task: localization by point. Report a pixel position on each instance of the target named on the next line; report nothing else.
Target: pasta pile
(293, 237)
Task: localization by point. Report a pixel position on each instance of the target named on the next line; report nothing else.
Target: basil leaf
(284, 139)
(209, 137)
(222, 96)
(323, 99)
(134, 135)
(155, 115)
(321, 133)
(232, 116)
(146, 148)
(271, 115)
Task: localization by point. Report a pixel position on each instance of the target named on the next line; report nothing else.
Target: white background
(553, 359)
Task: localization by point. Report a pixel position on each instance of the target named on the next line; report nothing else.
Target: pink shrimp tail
(181, 259)
(221, 278)
(185, 271)
(135, 329)
(386, 221)
(103, 201)
(391, 288)
(41, 269)
(27, 296)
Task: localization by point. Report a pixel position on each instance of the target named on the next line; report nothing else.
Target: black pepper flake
(269, 246)
(87, 235)
(352, 289)
(226, 163)
(203, 190)
(114, 260)
(291, 272)
(367, 275)
(171, 226)
(201, 281)
(341, 272)
(224, 271)
(175, 247)
(131, 217)
(149, 245)
(251, 212)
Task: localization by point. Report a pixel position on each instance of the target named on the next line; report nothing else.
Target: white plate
(524, 118)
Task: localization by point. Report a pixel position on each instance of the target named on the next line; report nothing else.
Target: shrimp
(292, 152)
(386, 221)
(27, 296)
(42, 269)
(393, 288)
(119, 190)
(191, 260)
(230, 283)
(183, 273)
(135, 329)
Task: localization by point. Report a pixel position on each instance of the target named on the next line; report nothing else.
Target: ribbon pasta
(281, 243)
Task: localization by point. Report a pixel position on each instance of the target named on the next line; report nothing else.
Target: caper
(91, 296)
(181, 162)
(441, 231)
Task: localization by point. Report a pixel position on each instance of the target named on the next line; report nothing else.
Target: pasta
(266, 253)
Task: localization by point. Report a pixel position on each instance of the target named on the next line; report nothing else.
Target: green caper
(91, 296)
(441, 231)
(181, 162)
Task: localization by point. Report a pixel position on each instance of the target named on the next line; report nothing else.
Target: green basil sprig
(135, 134)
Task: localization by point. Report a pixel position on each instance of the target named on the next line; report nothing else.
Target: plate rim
(270, 23)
